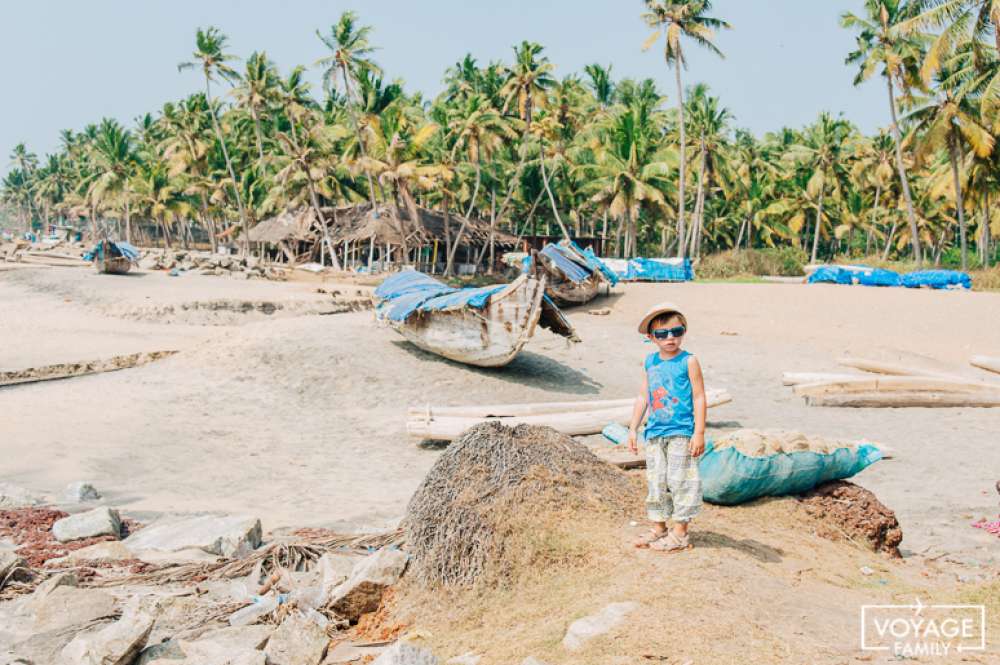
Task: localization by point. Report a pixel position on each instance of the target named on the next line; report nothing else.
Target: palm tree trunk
(683, 168)
(819, 222)
(888, 240)
(465, 220)
(986, 230)
(698, 209)
(447, 233)
(322, 223)
(878, 195)
(357, 132)
(257, 132)
(911, 217)
(229, 166)
(552, 200)
(739, 237)
(959, 203)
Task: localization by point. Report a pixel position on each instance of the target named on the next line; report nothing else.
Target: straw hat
(657, 310)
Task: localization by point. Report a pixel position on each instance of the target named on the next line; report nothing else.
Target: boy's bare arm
(697, 446)
(638, 411)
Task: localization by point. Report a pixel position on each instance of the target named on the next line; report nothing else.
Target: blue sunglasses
(666, 333)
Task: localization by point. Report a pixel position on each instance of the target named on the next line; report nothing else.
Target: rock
(96, 522)
(469, 658)
(226, 646)
(80, 491)
(169, 651)
(236, 638)
(180, 557)
(8, 562)
(297, 641)
(231, 536)
(335, 568)
(362, 591)
(12, 496)
(117, 644)
(45, 589)
(404, 653)
(603, 311)
(583, 630)
(531, 660)
(110, 551)
(67, 606)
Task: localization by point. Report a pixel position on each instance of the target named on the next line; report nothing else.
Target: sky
(71, 63)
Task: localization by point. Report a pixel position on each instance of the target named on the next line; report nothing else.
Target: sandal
(671, 543)
(649, 538)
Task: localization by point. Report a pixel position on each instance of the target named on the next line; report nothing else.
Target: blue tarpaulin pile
(937, 279)
(576, 263)
(864, 275)
(652, 270)
(125, 249)
(404, 293)
(867, 276)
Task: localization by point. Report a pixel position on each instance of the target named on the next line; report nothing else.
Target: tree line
(584, 154)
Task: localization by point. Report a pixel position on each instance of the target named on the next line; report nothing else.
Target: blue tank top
(671, 406)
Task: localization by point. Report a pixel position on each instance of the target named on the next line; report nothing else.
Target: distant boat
(485, 326)
(112, 258)
(574, 275)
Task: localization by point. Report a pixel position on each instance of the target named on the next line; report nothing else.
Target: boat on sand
(574, 275)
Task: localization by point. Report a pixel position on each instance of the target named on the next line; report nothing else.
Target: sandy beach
(299, 418)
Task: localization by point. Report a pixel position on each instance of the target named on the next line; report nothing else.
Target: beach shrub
(782, 261)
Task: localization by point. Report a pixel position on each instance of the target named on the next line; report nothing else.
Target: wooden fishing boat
(486, 327)
(572, 277)
(113, 258)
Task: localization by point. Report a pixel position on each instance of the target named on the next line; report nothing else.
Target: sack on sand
(747, 465)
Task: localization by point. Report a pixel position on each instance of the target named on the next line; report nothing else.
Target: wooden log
(989, 363)
(907, 399)
(795, 378)
(575, 423)
(885, 384)
(882, 367)
(714, 396)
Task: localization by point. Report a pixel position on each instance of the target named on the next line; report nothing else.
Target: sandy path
(301, 419)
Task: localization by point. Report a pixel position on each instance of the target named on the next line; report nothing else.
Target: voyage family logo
(912, 631)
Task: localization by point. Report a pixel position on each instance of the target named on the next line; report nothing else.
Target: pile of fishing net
(504, 499)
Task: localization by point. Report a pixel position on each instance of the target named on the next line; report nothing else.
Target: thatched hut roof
(357, 223)
(289, 225)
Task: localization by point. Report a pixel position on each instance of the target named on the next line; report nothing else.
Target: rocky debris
(405, 653)
(97, 522)
(13, 569)
(531, 660)
(12, 496)
(80, 492)
(66, 606)
(239, 637)
(607, 619)
(224, 646)
(230, 536)
(107, 551)
(841, 507)
(163, 653)
(334, 569)
(211, 264)
(45, 589)
(31, 530)
(117, 644)
(362, 591)
(469, 658)
(297, 641)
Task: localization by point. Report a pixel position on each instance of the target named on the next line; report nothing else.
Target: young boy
(673, 390)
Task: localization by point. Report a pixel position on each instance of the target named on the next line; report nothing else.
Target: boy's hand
(696, 446)
(633, 441)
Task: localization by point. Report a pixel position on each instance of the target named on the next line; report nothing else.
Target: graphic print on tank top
(670, 403)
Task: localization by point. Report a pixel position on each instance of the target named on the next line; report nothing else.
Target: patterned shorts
(673, 480)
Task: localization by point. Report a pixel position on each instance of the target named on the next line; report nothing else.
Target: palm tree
(350, 57)
(115, 160)
(256, 91)
(879, 43)
(710, 125)
(672, 20)
(948, 122)
(601, 84)
(212, 58)
(529, 79)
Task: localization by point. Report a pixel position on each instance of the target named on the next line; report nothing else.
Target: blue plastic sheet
(125, 249)
(863, 275)
(729, 477)
(596, 263)
(404, 293)
(659, 270)
(937, 279)
(567, 263)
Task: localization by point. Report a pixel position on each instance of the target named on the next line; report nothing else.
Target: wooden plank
(907, 399)
(795, 378)
(575, 423)
(882, 367)
(715, 397)
(989, 363)
(69, 370)
(884, 384)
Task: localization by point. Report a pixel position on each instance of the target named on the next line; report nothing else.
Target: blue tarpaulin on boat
(404, 293)
(125, 249)
(864, 275)
(659, 270)
(563, 260)
(937, 279)
(596, 263)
